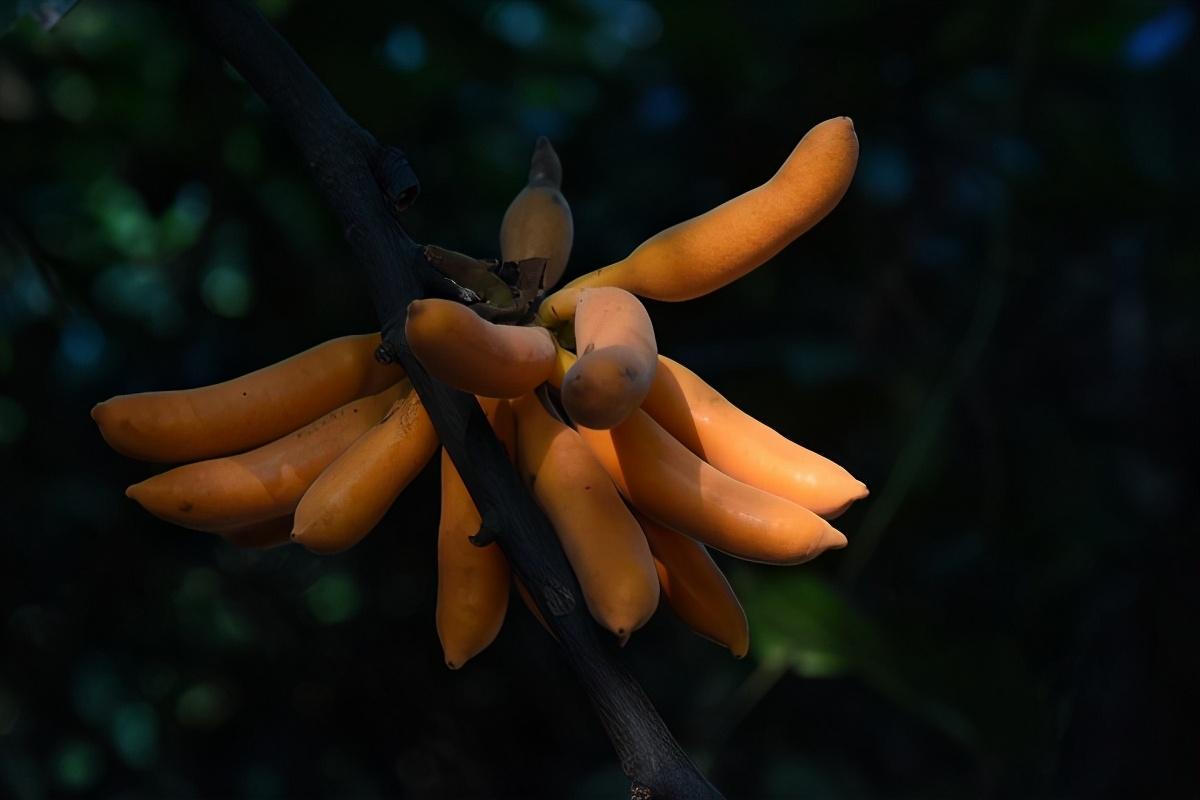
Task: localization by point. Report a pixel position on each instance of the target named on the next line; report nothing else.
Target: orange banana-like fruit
(263, 483)
(190, 424)
(537, 223)
(602, 540)
(744, 448)
(474, 355)
(696, 589)
(472, 581)
(668, 483)
(353, 493)
(617, 358)
(707, 252)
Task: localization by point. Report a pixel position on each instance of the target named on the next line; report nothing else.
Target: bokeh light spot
(25, 295)
(141, 292)
(228, 290)
(884, 174)
(91, 30)
(123, 217)
(95, 689)
(204, 705)
(604, 51)
(184, 220)
(135, 734)
(662, 106)
(78, 765)
(334, 598)
(1159, 37)
(197, 586)
(18, 101)
(633, 23)
(520, 23)
(231, 626)
(82, 343)
(404, 49)
(72, 96)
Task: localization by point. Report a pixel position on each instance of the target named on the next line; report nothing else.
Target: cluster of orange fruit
(638, 463)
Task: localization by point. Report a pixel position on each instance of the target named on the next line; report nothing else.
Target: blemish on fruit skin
(186, 506)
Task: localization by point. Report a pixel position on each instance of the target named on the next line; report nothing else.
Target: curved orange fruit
(617, 358)
(353, 493)
(696, 589)
(474, 355)
(472, 582)
(707, 252)
(261, 484)
(602, 540)
(668, 483)
(744, 448)
(190, 424)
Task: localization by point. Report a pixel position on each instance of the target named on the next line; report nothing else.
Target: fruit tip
(451, 665)
(833, 539)
(545, 169)
(304, 537)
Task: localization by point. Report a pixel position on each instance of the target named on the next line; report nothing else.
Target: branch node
(486, 535)
(559, 599)
(394, 346)
(435, 283)
(396, 179)
(386, 354)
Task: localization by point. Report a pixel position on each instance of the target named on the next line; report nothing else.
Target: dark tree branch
(365, 184)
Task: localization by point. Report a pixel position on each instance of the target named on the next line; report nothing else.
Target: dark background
(997, 330)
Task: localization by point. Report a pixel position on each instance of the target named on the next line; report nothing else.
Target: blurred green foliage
(997, 330)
